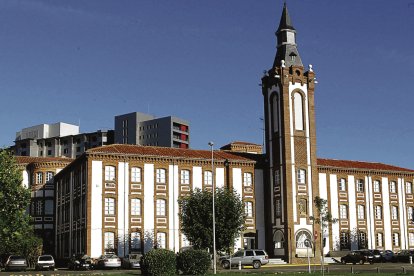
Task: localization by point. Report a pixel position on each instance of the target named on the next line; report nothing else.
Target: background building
(142, 129)
(58, 140)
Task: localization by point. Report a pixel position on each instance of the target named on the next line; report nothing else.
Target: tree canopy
(196, 218)
(16, 233)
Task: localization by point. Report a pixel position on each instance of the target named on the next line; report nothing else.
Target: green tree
(16, 232)
(323, 218)
(196, 218)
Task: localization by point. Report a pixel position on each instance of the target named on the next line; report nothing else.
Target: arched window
(109, 242)
(279, 239)
(303, 238)
(136, 241)
(298, 107)
(161, 240)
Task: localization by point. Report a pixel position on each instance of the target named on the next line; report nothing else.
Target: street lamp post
(211, 144)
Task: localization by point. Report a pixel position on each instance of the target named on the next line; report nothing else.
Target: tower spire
(286, 42)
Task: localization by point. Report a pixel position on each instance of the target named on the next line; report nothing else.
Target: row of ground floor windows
(361, 239)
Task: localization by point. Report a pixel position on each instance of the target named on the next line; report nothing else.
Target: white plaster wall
(25, 181)
(237, 181)
(401, 203)
(260, 208)
(333, 184)
(219, 181)
(352, 202)
(96, 209)
(148, 206)
(387, 242)
(123, 208)
(293, 203)
(197, 178)
(173, 209)
(323, 193)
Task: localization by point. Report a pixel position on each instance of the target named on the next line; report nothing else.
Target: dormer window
(292, 57)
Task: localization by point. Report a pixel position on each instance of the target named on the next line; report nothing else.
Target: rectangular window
(247, 179)
(393, 187)
(410, 214)
(135, 174)
(136, 241)
(396, 239)
(39, 208)
(409, 188)
(161, 240)
(160, 175)
(49, 176)
(394, 212)
(185, 177)
(39, 178)
(248, 209)
(208, 178)
(49, 207)
(160, 207)
(109, 241)
(378, 212)
(342, 184)
(344, 240)
(109, 206)
(379, 239)
(277, 177)
(362, 240)
(360, 185)
(109, 173)
(278, 208)
(361, 212)
(135, 207)
(301, 176)
(411, 239)
(377, 186)
(343, 212)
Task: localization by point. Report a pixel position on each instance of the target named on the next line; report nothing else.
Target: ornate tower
(288, 91)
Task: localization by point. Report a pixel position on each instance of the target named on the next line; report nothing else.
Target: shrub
(193, 262)
(159, 262)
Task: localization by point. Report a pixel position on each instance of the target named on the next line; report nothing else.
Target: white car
(45, 262)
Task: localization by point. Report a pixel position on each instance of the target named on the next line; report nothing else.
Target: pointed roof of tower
(286, 42)
(285, 21)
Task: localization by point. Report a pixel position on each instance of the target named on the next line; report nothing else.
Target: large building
(146, 130)
(123, 198)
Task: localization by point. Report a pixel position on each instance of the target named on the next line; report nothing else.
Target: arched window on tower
(298, 107)
(275, 113)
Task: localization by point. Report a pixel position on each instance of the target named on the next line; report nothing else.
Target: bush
(193, 262)
(159, 262)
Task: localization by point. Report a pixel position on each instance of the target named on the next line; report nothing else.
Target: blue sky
(202, 61)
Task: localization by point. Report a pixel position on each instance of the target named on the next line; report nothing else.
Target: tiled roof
(30, 159)
(167, 152)
(243, 143)
(359, 165)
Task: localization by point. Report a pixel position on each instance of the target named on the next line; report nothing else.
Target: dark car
(354, 257)
(388, 256)
(369, 256)
(377, 256)
(404, 256)
(17, 263)
(80, 261)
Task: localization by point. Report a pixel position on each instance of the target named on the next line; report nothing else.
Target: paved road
(333, 268)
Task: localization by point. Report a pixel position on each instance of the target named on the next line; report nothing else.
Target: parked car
(45, 262)
(254, 257)
(132, 260)
(377, 256)
(80, 261)
(109, 261)
(369, 256)
(404, 256)
(15, 262)
(388, 256)
(354, 257)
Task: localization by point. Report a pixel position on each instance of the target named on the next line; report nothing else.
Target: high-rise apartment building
(142, 129)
